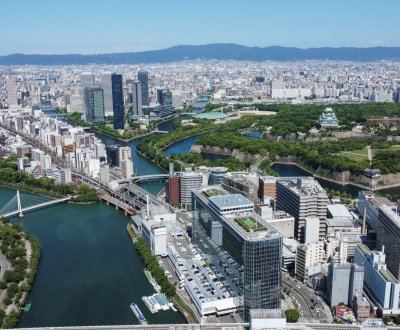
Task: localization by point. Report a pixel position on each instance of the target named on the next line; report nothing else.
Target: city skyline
(159, 25)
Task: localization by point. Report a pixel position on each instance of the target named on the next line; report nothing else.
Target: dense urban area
(228, 238)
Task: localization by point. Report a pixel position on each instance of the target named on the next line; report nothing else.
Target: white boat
(135, 309)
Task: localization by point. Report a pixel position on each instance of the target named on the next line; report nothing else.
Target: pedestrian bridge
(24, 203)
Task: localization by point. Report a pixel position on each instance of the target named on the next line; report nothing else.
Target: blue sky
(100, 26)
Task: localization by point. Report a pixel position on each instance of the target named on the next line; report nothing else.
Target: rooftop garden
(249, 224)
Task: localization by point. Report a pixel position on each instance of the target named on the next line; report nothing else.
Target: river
(89, 272)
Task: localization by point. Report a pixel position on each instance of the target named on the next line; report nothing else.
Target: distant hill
(212, 51)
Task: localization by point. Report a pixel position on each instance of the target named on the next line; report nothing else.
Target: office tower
(249, 239)
(307, 255)
(266, 188)
(94, 104)
(311, 230)
(379, 284)
(345, 281)
(125, 161)
(164, 96)
(143, 77)
(189, 181)
(77, 100)
(388, 238)
(117, 101)
(137, 99)
(112, 152)
(87, 80)
(217, 175)
(12, 95)
(302, 197)
(106, 84)
(245, 185)
(368, 205)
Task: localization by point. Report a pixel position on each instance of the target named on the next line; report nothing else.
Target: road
(320, 310)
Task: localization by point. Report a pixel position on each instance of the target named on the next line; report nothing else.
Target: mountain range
(211, 51)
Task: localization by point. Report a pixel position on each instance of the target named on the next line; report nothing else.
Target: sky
(108, 26)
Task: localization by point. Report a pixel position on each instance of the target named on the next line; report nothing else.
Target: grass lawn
(360, 155)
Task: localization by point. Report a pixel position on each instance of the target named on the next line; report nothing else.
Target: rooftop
(339, 211)
(228, 201)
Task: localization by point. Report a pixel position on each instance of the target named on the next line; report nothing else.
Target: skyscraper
(107, 88)
(117, 100)
(143, 77)
(94, 104)
(12, 96)
(137, 98)
(302, 197)
(125, 161)
(87, 80)
(164, 96)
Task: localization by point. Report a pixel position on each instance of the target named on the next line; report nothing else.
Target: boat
(172, 307)
(135, 309)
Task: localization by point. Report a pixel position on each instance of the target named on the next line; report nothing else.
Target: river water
(89, 272)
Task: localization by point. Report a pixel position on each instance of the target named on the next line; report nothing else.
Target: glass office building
(94, 104)
(143, 77)
(118, 101)
(249, 239)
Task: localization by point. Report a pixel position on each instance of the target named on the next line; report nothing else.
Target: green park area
(362, 154)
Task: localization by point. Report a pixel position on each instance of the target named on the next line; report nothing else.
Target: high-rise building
(189, 181)
(379, 284)
(12, 95)
(311, 233)
(143, 77)
(368, 206)
(345, 281)
(107, 88)
(137, 99)
(164, 96)
(112, 152)
(249, 239)
(77, 100)
(125, 161)
(117, 101)
(302, 197)
(267, 188)
(388, 238)
(307, 255)
(217, 175)
(94, 104)
(87, 80)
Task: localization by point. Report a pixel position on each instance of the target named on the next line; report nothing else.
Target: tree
(387, 319)
(292, 315)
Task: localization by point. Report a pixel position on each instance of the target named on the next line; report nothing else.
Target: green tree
(292, 315)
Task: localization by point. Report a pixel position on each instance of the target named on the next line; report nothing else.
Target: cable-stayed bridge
(22, 203)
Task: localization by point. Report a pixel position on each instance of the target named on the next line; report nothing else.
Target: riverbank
(179, 303)
(23, 253)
